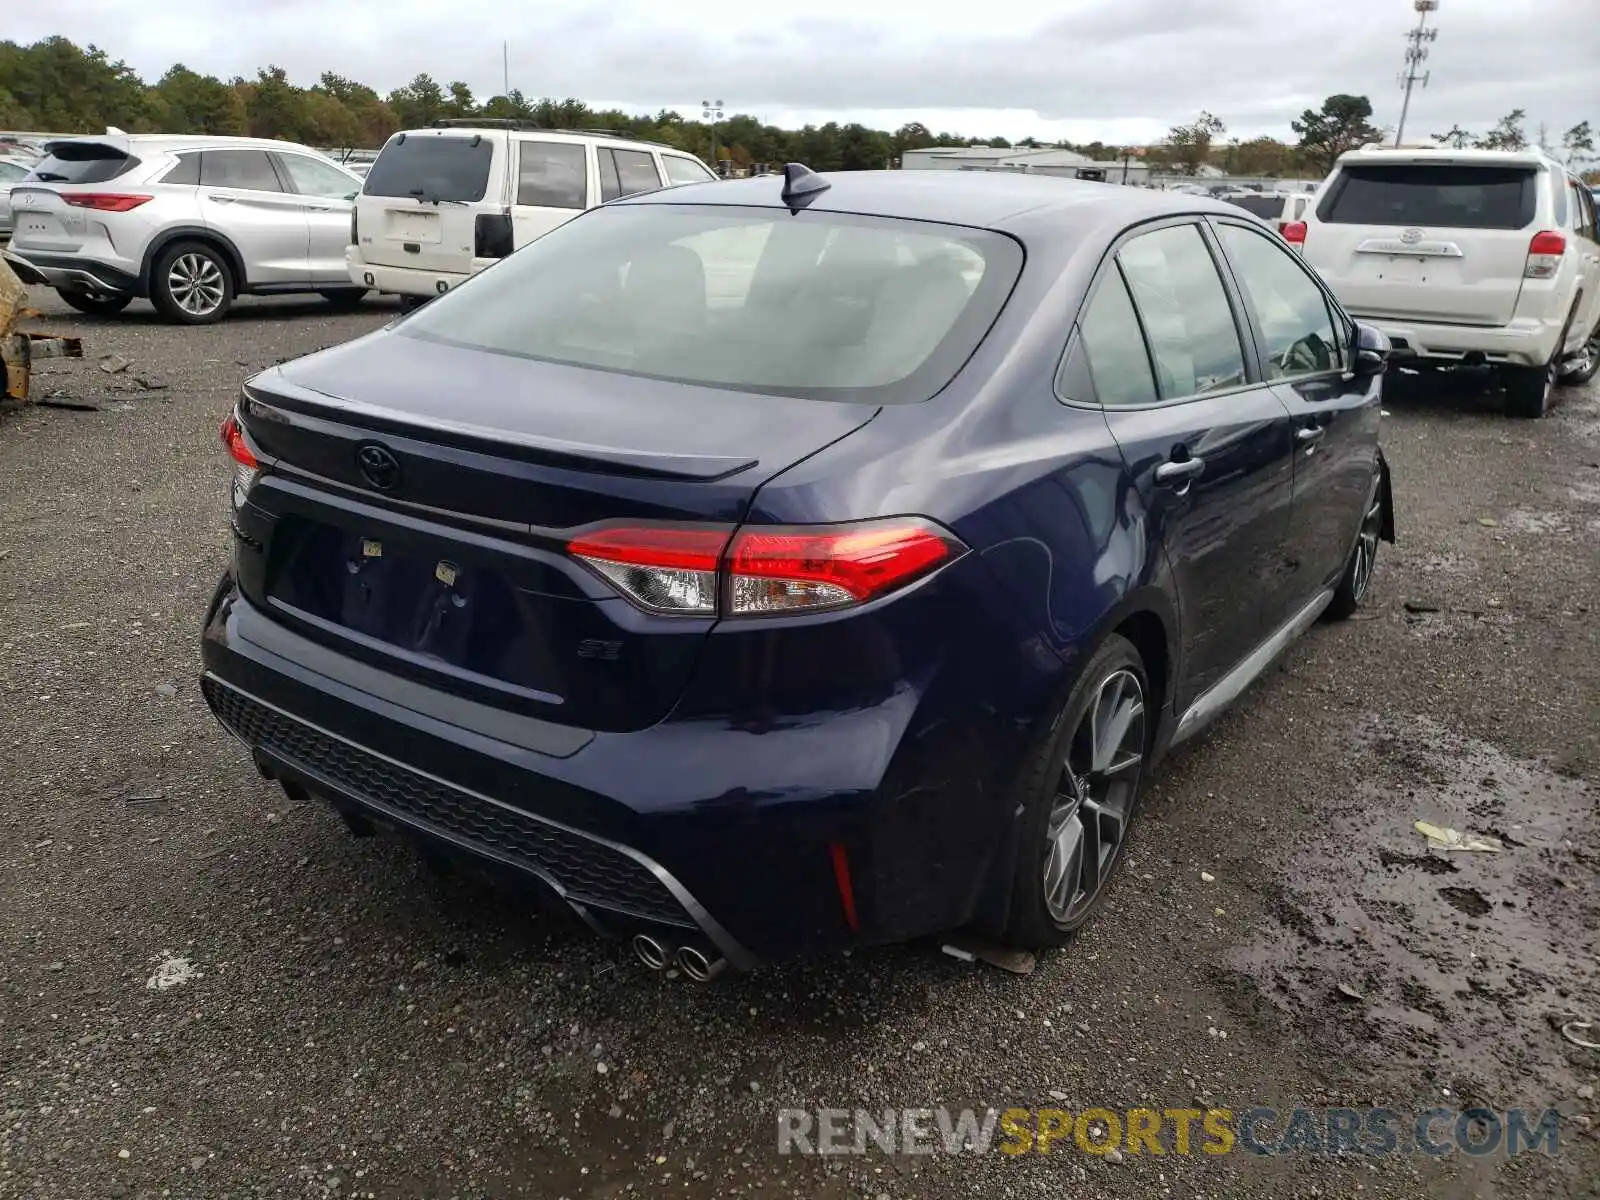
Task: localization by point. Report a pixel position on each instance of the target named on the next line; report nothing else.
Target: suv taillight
(491, 235)
(1294, 232)
(706, 570)
(1544, 255)
(104, 201)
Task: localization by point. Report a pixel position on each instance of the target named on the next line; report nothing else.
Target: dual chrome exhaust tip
(691, 960)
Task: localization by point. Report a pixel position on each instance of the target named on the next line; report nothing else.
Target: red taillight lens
(1294, 232)
(696, 570)
(104, 201)
(233, 441)
(780, 570)
(1544, 255)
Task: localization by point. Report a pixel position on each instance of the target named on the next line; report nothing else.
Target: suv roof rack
(517, 124)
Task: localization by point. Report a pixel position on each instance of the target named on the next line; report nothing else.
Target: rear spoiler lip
(271, 391)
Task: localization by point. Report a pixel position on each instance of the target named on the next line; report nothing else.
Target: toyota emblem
(379, 467)
(1411, 236)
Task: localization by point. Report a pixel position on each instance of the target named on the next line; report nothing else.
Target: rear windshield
(1260, 206)
(432, 168)
(820, 305)
(1455, 197)
(85, 163)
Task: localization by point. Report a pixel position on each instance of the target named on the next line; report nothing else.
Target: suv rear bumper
(1523, 343)
(407, 281)
(71, 273)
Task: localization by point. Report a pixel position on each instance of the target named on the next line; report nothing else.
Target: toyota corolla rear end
(497, 583)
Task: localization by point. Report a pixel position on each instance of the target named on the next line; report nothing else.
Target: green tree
(1578, 142)
(274, 107)
(419, 103)
(1188, 146)
(1263, 156)
(1507, 133)
(1454, 136)
(460, 102)
(1343, 123)
(187, 102)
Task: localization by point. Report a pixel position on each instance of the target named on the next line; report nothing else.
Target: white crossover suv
(1475, 257)
(187, 222)
(441, 204)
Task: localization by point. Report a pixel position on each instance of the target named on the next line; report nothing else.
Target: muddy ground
(208, 992)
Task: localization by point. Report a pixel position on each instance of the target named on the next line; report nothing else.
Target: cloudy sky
(1115, 70)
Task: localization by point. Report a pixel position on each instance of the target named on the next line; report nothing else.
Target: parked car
(1277, 209)
(797, 562)
(13, 169)
(189, 223)
(441, 204)
(1466, 257)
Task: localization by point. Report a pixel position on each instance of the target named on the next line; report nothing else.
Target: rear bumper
(71, 273)
(406, 281)
(695, 829)
(1523, 343)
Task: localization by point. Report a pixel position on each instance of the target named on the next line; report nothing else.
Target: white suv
(1465, 256)
(189, 222)
(441, 204)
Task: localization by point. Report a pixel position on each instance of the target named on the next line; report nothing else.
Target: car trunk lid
(1426, 241)
(452, 569)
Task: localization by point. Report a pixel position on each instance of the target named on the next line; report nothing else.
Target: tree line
(59, 87)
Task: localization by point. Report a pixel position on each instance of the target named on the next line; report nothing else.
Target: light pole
(711, 110)
(1416, 55)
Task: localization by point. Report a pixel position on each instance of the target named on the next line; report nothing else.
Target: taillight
(705, 570)
(491, 235)
(104, 201)
(1544, 255)
(1294, 232)
(245, 465)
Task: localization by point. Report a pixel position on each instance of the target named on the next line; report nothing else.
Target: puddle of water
(1464, 961)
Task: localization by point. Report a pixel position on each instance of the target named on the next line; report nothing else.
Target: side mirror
(352, 196)
(1370, 350)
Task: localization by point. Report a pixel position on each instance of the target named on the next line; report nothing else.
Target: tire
(94, 306)
(1356, 581)
(345, 299)
(192, 283)
(1056, 788)
(1584, 368)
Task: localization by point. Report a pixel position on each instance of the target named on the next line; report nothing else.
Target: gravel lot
(341, 1021)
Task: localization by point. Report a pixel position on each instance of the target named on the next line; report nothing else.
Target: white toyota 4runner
(441, 204)
(1472, 257)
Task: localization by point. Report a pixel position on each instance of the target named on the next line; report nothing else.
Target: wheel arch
(192, 233)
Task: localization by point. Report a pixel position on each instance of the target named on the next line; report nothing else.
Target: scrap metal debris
(1570, 1032)
(1440, 838)
(18, 350)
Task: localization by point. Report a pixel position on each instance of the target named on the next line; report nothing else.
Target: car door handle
(1179, 470)
(1310, 435)
(319, 208)
(221, 199)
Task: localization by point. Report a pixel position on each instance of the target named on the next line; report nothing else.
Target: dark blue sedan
(786, 564)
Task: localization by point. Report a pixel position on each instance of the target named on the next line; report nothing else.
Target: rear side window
(1194, 340)
(1118, 361)
(250, 170)
(11, 172)
(552, 175)
(1455, 197)
(187, 171)
(626, 173)
(82, 162)
(685, 170)
(452, 169)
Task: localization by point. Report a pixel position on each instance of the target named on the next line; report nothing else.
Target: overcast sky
(1114, 70)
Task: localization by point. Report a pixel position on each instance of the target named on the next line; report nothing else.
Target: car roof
(1532, 156)
(491, 130)
(178, 141)
(1004, 200)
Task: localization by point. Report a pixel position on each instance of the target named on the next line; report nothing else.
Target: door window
(1583, 213)
(1118, 360)
(628, 171)
(313, 178)
(1297, 331)
(684, 170)
(1194, 341)
(250, 170)
(552, 175)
